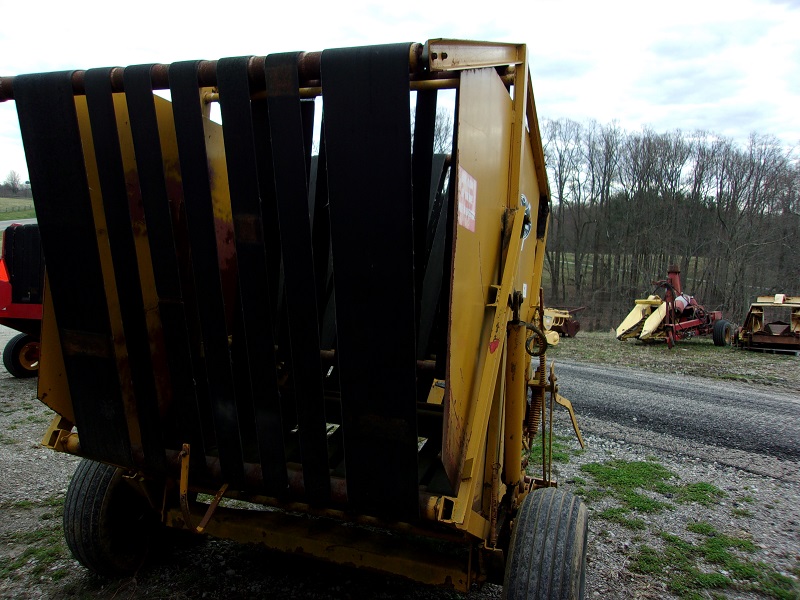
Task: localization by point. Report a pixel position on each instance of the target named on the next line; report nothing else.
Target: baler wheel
(722, 333)
(547, 552)
(21, 356)
(108, 525)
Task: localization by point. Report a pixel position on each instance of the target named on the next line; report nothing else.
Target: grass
(44, 547)
(561, 449)
(713, 562)
(618, 514)
(12, 209)
(697, 356)
(626, 480)
(705, 563)
(701, 493)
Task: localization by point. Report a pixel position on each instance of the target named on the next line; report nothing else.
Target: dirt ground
(35, 563)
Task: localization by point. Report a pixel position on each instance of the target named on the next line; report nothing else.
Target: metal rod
(308, 66)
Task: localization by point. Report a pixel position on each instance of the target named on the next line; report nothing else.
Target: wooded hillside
(628, 204)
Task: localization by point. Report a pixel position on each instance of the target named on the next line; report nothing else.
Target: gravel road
(740, 438)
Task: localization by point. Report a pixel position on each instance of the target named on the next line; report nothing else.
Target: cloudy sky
(731, 67)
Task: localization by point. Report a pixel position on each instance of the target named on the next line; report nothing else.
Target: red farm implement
(670, 315)
(21, 286)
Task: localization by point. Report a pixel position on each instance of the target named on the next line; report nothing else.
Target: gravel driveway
(738, 438)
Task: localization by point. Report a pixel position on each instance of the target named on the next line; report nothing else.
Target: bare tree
(13, 181)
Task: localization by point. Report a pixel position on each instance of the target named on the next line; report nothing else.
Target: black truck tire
(547, 552)
(21, 356)
(722, 333)
(108, 525)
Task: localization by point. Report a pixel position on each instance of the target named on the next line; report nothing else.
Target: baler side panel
(483, 151)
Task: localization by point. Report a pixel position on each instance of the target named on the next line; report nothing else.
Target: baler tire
(21, 356)
(722, 333)
(547, 552)
(109, 527)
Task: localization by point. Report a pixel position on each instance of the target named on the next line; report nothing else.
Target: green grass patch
(561, 449)
(701, 528)
(618, 514)
(702, 493)
(591, 494)
(741, 512)
(622, 480)
(43, 549)
(716, 562)
(625, 475)
(18, 215)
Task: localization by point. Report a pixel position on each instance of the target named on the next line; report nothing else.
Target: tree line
(626, 205)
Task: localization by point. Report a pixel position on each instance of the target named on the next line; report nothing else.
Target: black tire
(21, 356)
(109, 525)
(547, 552)
(722, 333)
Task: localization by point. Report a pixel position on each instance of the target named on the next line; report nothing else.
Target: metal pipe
(516, 389)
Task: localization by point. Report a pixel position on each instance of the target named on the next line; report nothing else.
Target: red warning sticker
(467, 199)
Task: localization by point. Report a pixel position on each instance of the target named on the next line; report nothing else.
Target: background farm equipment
(673, 317)
(229, 338)
(21, 289)
(772, 325)
(562, 321)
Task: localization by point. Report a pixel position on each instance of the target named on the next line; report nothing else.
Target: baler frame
(478, 383)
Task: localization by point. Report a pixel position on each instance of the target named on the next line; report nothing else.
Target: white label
(467, 199)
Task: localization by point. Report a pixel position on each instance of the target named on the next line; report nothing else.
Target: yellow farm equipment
(772, 325)
(300, 305)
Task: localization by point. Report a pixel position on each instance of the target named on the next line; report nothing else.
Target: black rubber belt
(99, 97)
(368, 144)
(257, 328)
(183, 79)
(289, 159)
(183, 415)
(52, 142)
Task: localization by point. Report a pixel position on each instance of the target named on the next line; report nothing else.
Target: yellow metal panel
(450, 55)
(52, 389)
(484, 136)
(653, 322)
(337, 543)
(223, 221)
(533, 250)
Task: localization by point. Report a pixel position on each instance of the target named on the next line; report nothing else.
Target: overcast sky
(731, 67)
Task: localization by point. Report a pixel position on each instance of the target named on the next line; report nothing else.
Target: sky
(731, 67)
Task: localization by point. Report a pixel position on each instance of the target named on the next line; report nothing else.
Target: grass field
(16, 208)
(697, 356)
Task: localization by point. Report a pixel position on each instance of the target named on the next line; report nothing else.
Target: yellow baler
(299, 305)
